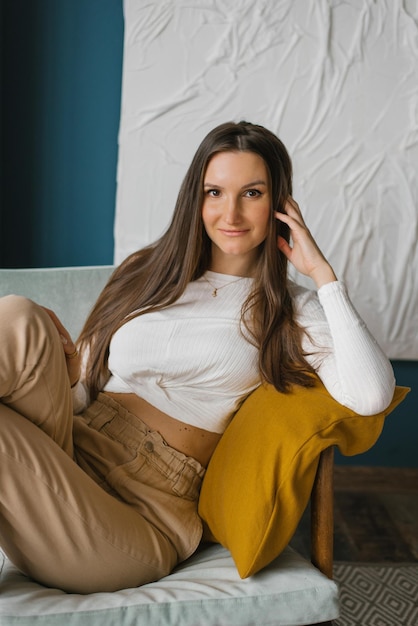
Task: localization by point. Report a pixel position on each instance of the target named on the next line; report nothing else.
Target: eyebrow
(247, 186)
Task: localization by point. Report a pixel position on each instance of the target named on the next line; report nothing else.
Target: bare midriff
(190, 440)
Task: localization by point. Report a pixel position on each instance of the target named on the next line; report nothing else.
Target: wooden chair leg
(322, 514)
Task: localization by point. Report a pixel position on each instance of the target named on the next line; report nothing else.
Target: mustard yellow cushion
(258, 482)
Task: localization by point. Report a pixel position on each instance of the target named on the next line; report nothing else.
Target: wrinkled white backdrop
(336, 80)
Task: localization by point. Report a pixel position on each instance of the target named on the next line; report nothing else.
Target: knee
(18, 307)
(20, 313)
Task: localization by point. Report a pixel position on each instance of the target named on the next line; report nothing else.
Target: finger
(283, 217)
(54, 318)
(284, 247)
(70, 349)
(292, 208)
(290, 200)
(292, 220)
(71, 355)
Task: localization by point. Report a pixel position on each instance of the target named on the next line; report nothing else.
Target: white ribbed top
(192, 362)
(189, 360)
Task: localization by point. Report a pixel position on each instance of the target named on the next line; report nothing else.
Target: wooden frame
(322, 516)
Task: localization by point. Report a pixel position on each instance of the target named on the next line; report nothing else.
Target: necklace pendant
(215, 292)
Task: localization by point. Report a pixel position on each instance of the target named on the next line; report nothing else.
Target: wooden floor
(376, 516)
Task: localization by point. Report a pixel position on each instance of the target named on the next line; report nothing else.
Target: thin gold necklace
(216, 289)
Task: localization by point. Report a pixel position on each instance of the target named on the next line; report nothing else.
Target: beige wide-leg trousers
(88, 503)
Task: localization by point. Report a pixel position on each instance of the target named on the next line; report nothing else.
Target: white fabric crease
(337, 81)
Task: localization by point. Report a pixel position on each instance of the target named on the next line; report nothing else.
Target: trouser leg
(33, 374)
(58, 526)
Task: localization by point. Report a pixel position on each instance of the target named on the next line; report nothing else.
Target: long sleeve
(342, 351)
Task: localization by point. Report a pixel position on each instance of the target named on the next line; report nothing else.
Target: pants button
(149, 446)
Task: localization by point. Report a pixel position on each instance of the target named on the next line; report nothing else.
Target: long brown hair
(157, 275)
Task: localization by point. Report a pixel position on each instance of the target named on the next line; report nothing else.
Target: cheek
(208, 214)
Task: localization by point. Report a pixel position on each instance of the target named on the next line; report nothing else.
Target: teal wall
(61, 86)
(61, 68)
(398, 443)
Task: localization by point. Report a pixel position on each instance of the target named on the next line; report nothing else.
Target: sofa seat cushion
(206, 589)
(69, 291)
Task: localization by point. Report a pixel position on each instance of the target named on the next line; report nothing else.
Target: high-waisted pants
(91, 502)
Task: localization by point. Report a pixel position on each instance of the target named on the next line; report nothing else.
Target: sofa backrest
(69, 291)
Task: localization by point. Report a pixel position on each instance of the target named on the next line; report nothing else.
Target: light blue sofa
(205, 590)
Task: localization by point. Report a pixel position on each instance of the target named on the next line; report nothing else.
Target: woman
(184, 330)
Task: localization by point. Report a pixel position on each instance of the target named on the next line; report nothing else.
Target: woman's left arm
(338, 343)
(342, 350)
(76, 365)
(304, 252)
(69, 348)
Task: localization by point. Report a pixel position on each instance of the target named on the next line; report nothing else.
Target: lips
(233, 233)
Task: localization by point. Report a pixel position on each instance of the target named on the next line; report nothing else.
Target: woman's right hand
(72, 356)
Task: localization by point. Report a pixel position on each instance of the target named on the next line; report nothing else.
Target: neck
(232, 265)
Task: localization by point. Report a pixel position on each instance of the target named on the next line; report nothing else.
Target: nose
(232, 214)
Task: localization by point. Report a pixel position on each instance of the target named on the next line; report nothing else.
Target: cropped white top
(192, 361)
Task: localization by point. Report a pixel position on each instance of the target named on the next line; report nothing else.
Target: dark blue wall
(61, 88)
(398, 443)
(61, 84)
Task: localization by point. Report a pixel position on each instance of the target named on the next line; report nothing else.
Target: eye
(213, 193)
(253, 193)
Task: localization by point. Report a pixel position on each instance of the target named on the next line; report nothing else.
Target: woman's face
(236, 210)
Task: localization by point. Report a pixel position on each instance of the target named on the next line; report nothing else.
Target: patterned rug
(377, 594)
